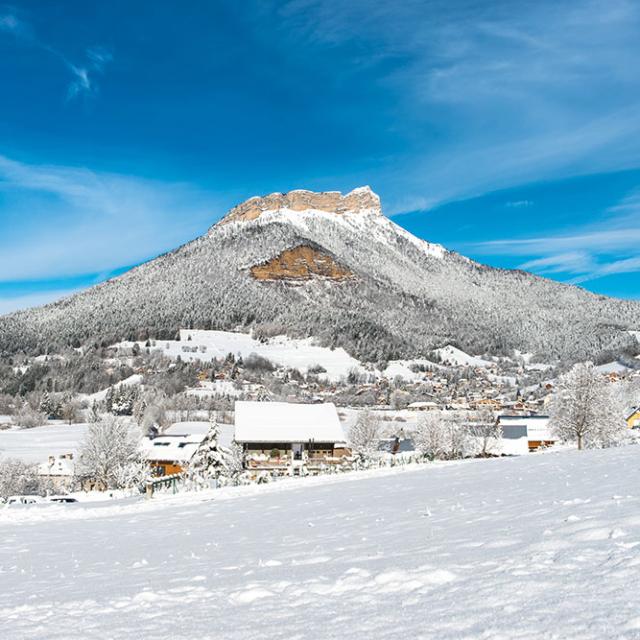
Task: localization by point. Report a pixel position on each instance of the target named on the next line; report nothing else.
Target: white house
(522, 434)
(59, 472)
(280, 434)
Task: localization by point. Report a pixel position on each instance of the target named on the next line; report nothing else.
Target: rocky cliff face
(361, 200)
(301, 263)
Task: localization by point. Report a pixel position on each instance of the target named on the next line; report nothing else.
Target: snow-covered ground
(453, 356)
(132, 381)
(542, 546)
(302, 354)
(35, 445)
(195, 344)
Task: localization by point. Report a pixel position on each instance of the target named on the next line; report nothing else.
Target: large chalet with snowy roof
(280, 436)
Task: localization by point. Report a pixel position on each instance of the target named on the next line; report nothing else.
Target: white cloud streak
(83, 83)
(515, 92)
(75, 221)
(612, 246)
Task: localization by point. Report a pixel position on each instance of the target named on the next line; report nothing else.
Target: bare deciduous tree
(485, 433)
(364, 435)
(584, 411)
(110, 452)
(18, 477)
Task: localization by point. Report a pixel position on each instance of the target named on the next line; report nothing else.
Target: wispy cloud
(592, 251)
(71, 221)
(83, 72)
(501, 93)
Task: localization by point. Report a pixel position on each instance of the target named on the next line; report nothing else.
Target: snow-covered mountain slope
(543, 546)
(332, 267)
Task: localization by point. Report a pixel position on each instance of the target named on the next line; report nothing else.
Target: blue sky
(508, 131)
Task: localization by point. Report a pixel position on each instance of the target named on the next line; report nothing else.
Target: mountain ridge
(406, 297)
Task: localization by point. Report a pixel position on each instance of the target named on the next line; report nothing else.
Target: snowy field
(302, 354)
(35, 445)
(542, 546)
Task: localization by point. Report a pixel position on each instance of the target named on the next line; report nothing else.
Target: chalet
(487, 403)
(522, 434)
(284, 437)
(632, 418)
(170, 454)
(58, 472)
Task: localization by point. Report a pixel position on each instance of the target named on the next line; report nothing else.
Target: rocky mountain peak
(361, 200)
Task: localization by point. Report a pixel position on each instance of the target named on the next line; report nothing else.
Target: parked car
(62, 499)
(16, 500)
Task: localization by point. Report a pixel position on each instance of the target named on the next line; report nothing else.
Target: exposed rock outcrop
(361, 200)
(301, 263)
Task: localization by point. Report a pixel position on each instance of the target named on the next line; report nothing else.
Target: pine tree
(210, 462)
(47, 406)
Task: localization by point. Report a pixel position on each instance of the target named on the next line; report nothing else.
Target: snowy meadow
(542, 546)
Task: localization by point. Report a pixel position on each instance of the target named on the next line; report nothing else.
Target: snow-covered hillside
(280, 350)
(456, 357)
(301, 354)
(37, 444)
(333, 268)
(544, 546)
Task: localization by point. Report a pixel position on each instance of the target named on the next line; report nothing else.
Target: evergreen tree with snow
(47, 406)
(584, 411)
(210, 462)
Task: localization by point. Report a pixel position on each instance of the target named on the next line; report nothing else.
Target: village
(272, 420)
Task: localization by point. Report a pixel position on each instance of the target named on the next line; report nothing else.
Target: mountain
(334, 267)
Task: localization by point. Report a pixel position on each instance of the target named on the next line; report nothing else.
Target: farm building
(284, 436)
(522, 434)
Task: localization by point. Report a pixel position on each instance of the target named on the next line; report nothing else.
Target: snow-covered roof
(285, 422)
(171, 448)
(522, 419)
(535, 427)
(613, 367)
(200, 429)
(62, 466)
(187, 428)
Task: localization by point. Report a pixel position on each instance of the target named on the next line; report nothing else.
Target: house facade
(633, 418)
(523, 434)
(58, 472)
(281, 437)
(170, 454)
